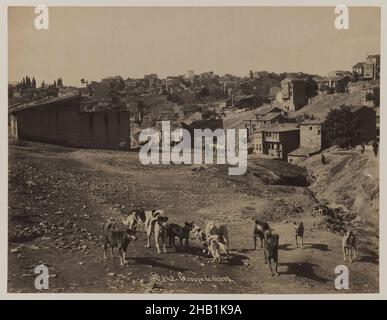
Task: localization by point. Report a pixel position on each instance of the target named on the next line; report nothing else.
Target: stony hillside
(349, 179)
(321, 104)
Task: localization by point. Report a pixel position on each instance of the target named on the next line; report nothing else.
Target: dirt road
(60, 198)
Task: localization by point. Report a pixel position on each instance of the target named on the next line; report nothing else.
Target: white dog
(213, 228)
(216, 247)
(158, 226)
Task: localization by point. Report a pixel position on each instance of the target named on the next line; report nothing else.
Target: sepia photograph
(193, 149)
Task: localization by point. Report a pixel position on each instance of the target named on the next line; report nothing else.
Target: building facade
(313, 139)
(293, 94)
(370, 96)
(276, 141)
(60, 121)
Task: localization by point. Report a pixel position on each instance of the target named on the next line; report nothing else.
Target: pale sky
(94, 43)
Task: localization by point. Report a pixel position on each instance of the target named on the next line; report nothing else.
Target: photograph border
(123, 296)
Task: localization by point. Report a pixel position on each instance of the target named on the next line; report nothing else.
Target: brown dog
(259, 229)
(349, 245)
(117, 239)
(271, 251)
(298, 233)
(174, 230)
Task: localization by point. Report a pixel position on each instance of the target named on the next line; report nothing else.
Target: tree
(43, 84)
(310, 87)
(54, 83)
(342, 126)
(33, 82)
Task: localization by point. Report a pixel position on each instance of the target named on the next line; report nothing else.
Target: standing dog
(349, 245)
(271, 250)
(158, 227)
(298, 233)
(220, 230)
(174, 230)
(117, 239)
(141, 217)
(259, 229)
(216, 247)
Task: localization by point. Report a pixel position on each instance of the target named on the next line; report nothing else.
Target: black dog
(259, 230)
(117, 239)
(271, 251)
(174, 230)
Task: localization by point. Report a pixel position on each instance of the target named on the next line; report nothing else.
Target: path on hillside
(66, 196)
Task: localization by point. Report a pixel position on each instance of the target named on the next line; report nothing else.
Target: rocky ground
(60, 198)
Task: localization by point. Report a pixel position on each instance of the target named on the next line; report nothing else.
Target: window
(310, 128)
(319, 132)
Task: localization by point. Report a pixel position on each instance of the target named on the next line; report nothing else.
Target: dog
(271, 251)
(349, 245)
(220, 230)
(216, 246)
(141, 217)
(158, 227)
(198, 232)
(117, 239)
(174, 230)
(259, 229)
(298, 233)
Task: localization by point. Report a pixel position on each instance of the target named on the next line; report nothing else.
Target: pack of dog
(298, 233)
(271, 241)
(182, 232)
(259, 230)
(349, 245)
(117, 239)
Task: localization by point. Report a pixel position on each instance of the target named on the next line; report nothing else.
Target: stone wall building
(313, 139)
(60, 121)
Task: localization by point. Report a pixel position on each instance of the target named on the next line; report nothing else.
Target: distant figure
(362, 148)
(323, 161)
(375, 147)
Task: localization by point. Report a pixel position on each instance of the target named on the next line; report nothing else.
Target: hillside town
(193, 150)
(287, 115)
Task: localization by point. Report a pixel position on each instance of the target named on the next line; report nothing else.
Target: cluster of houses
(104, 114)
(274, 135)
(368, 69)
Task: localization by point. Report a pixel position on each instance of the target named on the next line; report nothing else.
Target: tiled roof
(314, 121)
(42, 103)
(283, 127)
